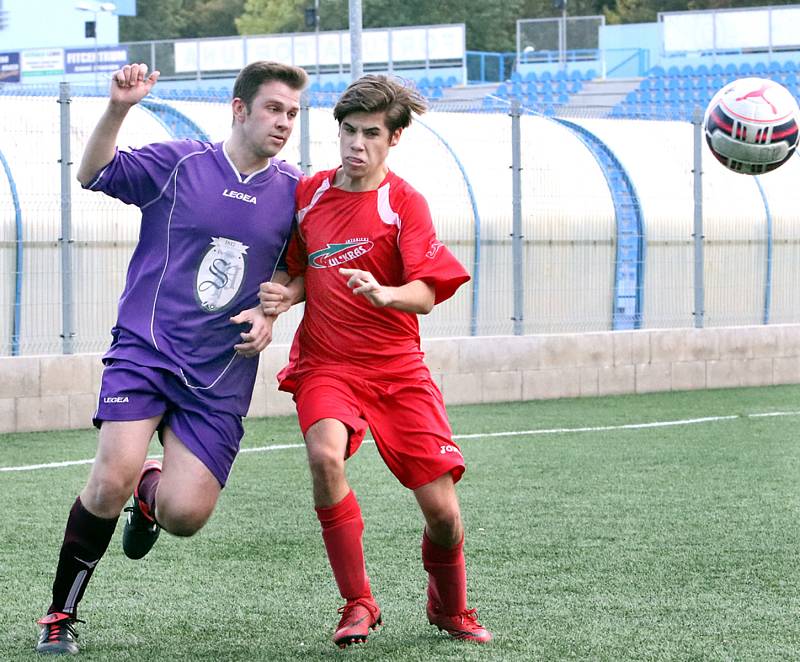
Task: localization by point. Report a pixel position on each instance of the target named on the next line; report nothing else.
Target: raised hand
(131, 84)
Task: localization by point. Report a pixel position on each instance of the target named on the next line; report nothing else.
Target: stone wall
(60, 392)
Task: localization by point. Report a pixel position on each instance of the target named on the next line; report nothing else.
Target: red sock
(342, 527)
(447, 575)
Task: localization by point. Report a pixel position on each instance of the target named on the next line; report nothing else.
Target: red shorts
(407, 419)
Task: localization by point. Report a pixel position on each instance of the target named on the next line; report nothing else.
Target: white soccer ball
(751, 125)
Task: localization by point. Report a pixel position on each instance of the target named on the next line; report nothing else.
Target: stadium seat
(546, 76)
(656, 72)
(562, 98)
(673, 72)
(439, 81)
(423, 82)
(687, 71)
(745, 69)
(789, 66)
(560, 75)
(760, 69)
(531, 77)
(701, 70)
(451, 81)
(590, 74)
(716, 70)
(730, 70)
(775, 67)
(575, 86)
(516, 77)
(575, 74)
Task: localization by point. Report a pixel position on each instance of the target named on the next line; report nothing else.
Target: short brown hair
(381, 94)
(255, 74)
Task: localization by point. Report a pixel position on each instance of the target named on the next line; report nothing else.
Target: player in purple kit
(184, 354)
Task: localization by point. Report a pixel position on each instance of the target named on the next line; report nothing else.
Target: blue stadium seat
(673, 83)
(437, 92)
(516, 77)
(745, 69)
(673, 72)
(775, 67)
(575, 74)
(423, 82)
(546, 76)
(561, 75)
(590, 74)
(451, 81)
(575, 86)
(687, 71)
(439, 81)
(760, 69)
(562, 98)
(502, 91)
(789, 65)
(730, 70)
(716, 70)
(701, 70)
(656, 72)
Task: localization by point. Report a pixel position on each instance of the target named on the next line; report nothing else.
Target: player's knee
(106, 494)
(182, 520)
(325, 462)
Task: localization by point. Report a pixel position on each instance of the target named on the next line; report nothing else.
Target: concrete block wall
(60, 392)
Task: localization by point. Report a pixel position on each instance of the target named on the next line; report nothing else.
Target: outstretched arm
(129, 86)
(414, 297)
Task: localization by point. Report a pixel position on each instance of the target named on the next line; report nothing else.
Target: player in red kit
(367, 261)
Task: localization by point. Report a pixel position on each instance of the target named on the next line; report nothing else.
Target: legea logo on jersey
(244, 197)
(116, 399)
(220, 274)
(336, 254)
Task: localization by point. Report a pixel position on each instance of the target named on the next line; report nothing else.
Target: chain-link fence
(569, 218)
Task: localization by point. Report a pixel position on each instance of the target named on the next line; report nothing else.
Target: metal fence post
(305, 135)
(516, 232)
(697, 172)
(65, 240)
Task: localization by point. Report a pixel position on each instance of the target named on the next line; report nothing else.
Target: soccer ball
(751, 125)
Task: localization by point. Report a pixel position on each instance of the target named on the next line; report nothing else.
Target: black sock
(86, 539)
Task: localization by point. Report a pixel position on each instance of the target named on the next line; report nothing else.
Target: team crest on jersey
(220, 274)
(335, 254)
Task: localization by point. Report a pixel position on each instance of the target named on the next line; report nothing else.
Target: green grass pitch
(676, 542)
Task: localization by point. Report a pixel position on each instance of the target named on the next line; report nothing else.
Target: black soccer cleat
(58, 636)
(141, 529)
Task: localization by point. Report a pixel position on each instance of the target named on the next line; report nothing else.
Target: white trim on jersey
(236, 170)
(174, 173)
(388, 215)
(324, 186)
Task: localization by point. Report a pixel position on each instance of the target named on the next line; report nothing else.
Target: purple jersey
(209, 236)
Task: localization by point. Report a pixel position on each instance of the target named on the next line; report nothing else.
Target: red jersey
(387, 232)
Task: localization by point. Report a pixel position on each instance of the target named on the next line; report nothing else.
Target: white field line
(480, 435)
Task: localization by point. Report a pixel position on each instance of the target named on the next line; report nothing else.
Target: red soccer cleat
(141, 529)
(358, 618)
(57, 636)
(461, 626)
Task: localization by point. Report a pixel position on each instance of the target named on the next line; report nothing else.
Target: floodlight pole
(356, 63)
(697, 235)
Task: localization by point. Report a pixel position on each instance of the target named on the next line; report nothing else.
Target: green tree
(155, 19)
(210, 18)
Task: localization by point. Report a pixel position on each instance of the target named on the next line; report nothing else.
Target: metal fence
(568, 221)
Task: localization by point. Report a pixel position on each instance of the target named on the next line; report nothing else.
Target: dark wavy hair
(381, 94)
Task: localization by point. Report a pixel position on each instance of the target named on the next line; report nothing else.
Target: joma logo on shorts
(116, 399)
(239, 196)
(449, 449)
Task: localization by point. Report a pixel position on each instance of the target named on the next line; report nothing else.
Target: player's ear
(239, 108)
(395, 137)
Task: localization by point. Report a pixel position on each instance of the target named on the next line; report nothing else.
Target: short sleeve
(138, 176)
(424, 256)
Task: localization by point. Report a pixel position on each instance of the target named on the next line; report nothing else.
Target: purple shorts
(131, 392)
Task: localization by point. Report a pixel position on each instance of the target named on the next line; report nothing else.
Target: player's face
(268, 125)
(364, 143)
